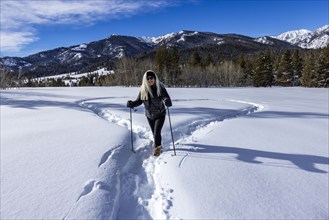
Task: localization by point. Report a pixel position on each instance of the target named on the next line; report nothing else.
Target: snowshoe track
(132, 190)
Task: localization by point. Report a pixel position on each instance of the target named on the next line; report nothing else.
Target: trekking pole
(172, 136)
(131, 132)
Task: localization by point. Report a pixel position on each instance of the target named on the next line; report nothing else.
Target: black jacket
(154, 107)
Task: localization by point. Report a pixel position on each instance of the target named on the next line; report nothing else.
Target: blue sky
(31, 26)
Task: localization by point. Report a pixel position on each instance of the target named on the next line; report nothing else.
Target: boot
(157, 151)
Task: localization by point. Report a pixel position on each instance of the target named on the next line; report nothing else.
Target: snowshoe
(157, 151)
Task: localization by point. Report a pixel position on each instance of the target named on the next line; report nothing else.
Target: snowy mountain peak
(318, 38)
(81, 47)
(322, 29)
(157, 40)
(112, 35)
(264, 40)
(175, 36)
(293, 34)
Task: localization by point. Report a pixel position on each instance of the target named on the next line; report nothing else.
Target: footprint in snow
(92, 185)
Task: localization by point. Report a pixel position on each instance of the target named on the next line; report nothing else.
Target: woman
(155, 97)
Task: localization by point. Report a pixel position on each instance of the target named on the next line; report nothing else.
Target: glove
(130, 104)
(167, 102)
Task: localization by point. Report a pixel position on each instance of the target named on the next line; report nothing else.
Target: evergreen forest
(298, 67)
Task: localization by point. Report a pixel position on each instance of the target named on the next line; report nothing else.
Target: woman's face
(150, 80)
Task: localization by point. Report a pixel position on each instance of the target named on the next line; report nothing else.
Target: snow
(183, 36)
(322, 29)
(157, 40)
(9, 62)
(219, 41)
(263, 40)
(77, 56)
(306, 38)
(81, 47)
(241, 153)
(75, 76)
(320, 42)
(294, 36)
(167, 37)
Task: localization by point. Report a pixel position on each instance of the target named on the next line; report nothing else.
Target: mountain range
(307, 39)
(91, 55)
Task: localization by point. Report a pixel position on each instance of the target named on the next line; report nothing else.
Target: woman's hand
(167, 102)
(130, 104)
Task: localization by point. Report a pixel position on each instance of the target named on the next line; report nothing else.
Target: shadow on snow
(304, 162)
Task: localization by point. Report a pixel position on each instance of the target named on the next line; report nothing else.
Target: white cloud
(15, 41)
(20, 18)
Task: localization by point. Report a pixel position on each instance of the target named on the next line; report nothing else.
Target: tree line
(308, 68)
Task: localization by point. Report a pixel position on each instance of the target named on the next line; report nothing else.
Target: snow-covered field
(241, 153)
(70, 78)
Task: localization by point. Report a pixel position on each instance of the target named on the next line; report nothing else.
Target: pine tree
(246, 68)
(285, 70)
(195, 59)
(297, 66)
(323, 68)
(309, 76)
(249, 73)
(242, 64)
(161, 58)
(174, 71)
(208, 60)
(263, 75)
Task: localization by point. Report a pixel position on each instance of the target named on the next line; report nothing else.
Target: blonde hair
(146, 89)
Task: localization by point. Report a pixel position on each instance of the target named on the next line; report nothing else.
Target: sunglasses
(150, 78)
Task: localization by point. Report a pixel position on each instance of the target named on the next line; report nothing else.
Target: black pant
(156, 127)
